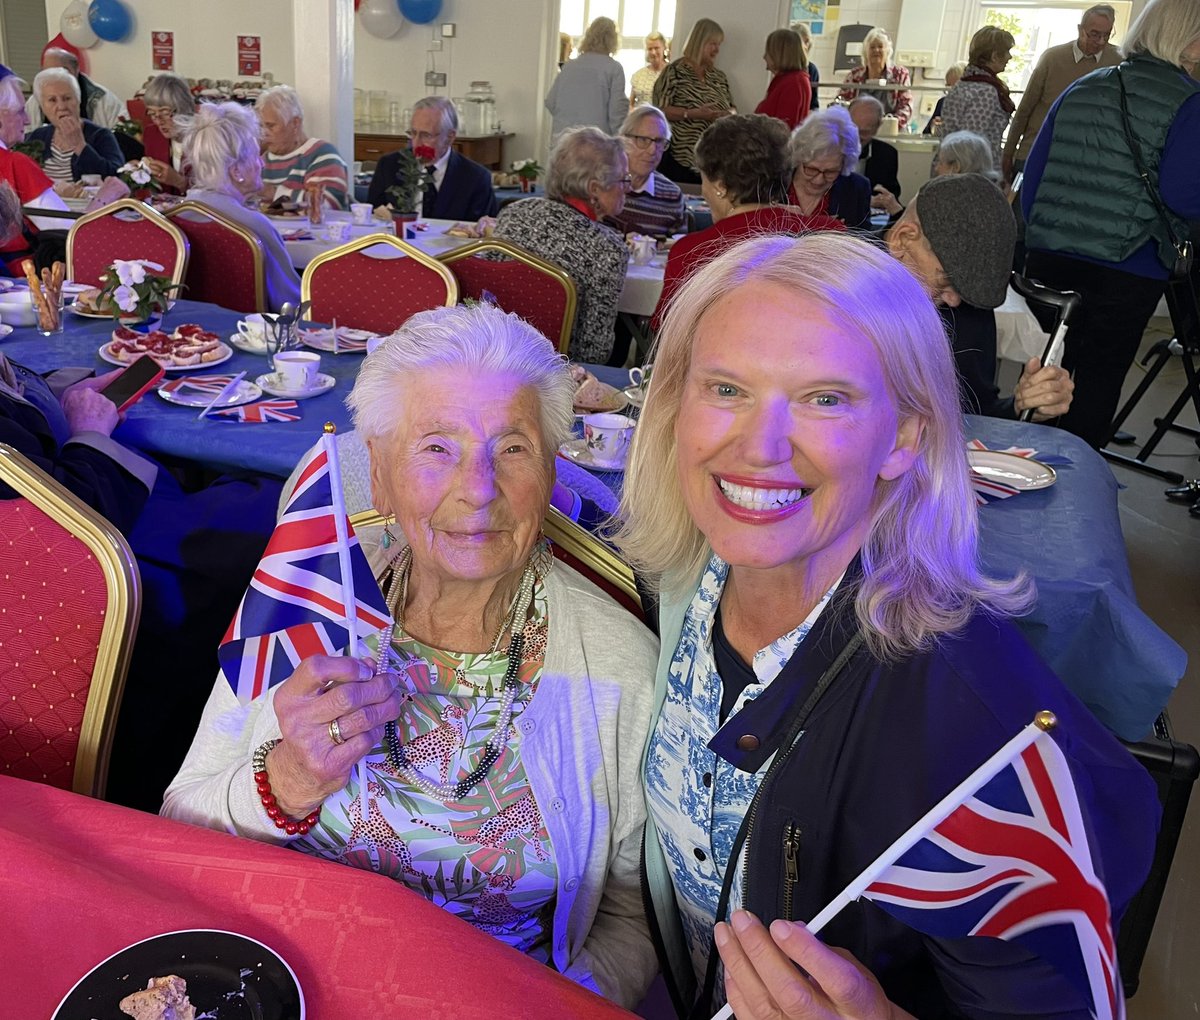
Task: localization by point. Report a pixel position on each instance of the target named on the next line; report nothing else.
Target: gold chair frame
(369, 241)
(528, 258)
(255, 242)
(182, 247)
(123, 583)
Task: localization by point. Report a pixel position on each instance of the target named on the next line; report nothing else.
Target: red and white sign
(163, 44)
(250, 55)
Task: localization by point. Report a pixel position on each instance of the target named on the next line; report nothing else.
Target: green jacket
(1090, 178)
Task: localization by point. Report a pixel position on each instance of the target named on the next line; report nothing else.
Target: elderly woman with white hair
(877, 69)
(654, 205)
(169, 104)
(960, 152)
(71, 146)
(586, 180)
(501, 744)
(824, 151)
(295, 166)
(826, 677)
(220, 144)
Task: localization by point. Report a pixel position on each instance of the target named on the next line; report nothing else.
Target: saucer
(577, 450)
(1022, 473)
(5, 329)
(240, 341)
(272, 384)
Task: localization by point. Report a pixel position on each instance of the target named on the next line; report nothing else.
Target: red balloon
(59, 43)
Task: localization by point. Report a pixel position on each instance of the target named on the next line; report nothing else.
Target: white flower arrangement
(530, 169)
(137, 175)
(133, 291)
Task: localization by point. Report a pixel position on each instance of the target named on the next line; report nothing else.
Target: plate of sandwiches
(593, 396)
(188, 346)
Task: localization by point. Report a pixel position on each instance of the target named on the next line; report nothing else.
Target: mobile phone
(127, 388)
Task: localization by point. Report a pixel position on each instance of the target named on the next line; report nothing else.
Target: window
(635, 20)
(1037, 27)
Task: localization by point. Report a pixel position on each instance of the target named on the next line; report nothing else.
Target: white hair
(216, 139)
(11, 96)
(478, 339)
(445, 109)
(284, 99)
(1164, 29)
(50, 74)
(877, 35)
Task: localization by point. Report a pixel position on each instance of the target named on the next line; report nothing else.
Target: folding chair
(540, 292)
(72, 597)
(378, 294)
(226, 264)
(125, 229)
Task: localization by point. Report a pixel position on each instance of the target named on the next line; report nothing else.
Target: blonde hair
(1164, 29)
(986, 43)
(703, 32)
(877, 35)
(785, 49)
(601, 37)
(911, 591)
(958, 69)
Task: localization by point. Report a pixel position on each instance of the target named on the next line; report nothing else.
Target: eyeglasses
(645, 141)
(626, 183)
(159, 112)
(1100, 37)
(815, 172)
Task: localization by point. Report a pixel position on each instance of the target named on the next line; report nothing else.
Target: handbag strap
(701, 1008)
(1135, 150)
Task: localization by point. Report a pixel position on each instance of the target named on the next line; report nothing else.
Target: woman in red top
(744, 175)
(789, 95)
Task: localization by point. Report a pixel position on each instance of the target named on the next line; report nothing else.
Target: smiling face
(645, 145)
(814, 178)
(58, 101)
(655, 54)
(785, 429)
(466, 473)
(877, 56)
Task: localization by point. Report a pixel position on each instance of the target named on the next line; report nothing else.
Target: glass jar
(481, 117)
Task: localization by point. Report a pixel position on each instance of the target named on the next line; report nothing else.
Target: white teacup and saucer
(297, 376)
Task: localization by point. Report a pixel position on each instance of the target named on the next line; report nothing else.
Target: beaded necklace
(515, 619)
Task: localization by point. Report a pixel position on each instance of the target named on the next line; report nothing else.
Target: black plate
(229, 977)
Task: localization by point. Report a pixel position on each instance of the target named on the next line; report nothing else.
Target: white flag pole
(1042, 723)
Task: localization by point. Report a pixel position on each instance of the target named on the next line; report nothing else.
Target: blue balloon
(420, 12)
(110, 20)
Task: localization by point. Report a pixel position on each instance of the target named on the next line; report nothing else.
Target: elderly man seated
(879, 161)
(957, 238)
(294, 165)
(462, 188)
(71, 144)
(97, 104)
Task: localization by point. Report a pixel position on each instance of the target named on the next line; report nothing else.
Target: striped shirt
(58, 165)
(315, 162)
(680, 85)
(658, 209)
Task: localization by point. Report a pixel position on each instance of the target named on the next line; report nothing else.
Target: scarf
(986, 77)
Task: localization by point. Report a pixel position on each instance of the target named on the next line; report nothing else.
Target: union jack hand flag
(296, 605)
(260, 412)
(1012, 861)
(201, 385)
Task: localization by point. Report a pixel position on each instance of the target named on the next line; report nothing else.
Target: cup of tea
(338, 231)
(253, 330)
(360, 213)
(640, 377)
(607, 437)
(297, 370)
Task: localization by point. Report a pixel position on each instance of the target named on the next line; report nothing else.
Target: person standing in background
(877, 67)
(814, 76)
(590, 90)
(789, 96)
(1059, 68)
(980, 101)
(641, 84)
(953, 73)
(96, 103)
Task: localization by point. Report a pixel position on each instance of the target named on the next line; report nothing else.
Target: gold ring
(335, 732)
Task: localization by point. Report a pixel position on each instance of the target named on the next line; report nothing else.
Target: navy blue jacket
(466, 192)
(850, 201)
(101, 154)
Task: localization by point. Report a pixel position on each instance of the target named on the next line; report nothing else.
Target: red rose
(425, 153)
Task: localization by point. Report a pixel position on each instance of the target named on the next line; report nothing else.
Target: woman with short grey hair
(220, 144)
(586, 181)
(655, 205)
(964, 152)
(296, 167)
(515, 692)
(169, 103)
(32, 186)
(590, 90)
(824, 151)
(70, 145)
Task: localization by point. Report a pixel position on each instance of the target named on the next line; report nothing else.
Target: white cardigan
(583, 736)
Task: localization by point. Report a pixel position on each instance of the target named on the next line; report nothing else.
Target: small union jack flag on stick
(260, 412)
(300, 597)
(1004, 854)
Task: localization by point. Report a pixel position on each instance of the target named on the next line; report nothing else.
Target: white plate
(271, 384)
(189, 397)
(1020, 472)
(5, 330)
(577, 450)
(242, 344)
(226, 354)
(350, 341)
(84, 314)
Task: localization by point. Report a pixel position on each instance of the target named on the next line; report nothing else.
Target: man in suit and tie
(878, 162)
(462, 189)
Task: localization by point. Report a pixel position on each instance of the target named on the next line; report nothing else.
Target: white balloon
(381, 18)
(74, 25)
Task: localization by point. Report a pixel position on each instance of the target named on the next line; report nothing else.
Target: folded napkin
(297, 235)
(260, 413)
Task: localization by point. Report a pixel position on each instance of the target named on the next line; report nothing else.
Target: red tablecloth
(81, 879)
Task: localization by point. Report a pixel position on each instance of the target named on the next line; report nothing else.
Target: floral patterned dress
(486, 858)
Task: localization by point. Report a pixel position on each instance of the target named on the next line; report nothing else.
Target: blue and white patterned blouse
(696, 798)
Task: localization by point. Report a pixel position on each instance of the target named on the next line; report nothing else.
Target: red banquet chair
(124, 230)
(226, 265)
(72, 596)
(540, 292)
(378, 294)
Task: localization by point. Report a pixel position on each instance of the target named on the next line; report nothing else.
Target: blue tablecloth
(1086, 623)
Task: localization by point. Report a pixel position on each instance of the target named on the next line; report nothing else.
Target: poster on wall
(164, 50)
(250, 55)
(816, 14)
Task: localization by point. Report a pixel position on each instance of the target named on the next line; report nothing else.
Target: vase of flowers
(137, 298)
(527, 171)
(413, 178)
(137, 177)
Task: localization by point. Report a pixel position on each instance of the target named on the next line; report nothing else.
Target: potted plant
(136, 298)
(410, 184)
(128, 126)
(528, 171)
(138, 178)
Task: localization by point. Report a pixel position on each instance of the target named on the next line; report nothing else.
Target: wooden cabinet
(485, 149)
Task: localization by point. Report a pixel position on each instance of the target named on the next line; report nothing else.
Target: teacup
(642, 249)
(253, 330)
(640, 377)
(360, 212)
(607, 437)
(338, 231)
(297, 370)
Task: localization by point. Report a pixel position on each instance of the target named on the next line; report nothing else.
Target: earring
(388, 538)
(721, 193)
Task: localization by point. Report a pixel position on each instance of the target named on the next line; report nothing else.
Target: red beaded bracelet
(263, 786)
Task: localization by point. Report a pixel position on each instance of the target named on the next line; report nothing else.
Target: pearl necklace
(496, 742)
